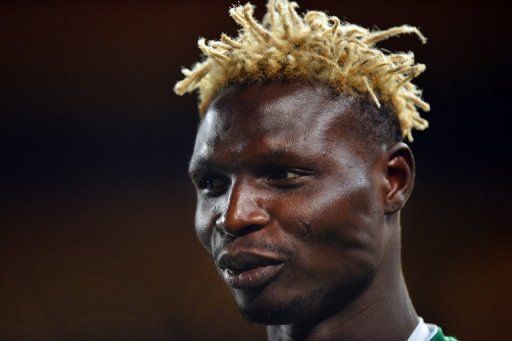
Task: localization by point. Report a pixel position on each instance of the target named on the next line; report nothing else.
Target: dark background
(96, 211)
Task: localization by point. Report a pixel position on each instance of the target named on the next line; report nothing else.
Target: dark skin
(281, 172)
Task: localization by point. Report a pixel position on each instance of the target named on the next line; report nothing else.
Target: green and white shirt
(428, 332)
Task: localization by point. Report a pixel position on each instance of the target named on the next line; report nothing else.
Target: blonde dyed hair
(310, 47)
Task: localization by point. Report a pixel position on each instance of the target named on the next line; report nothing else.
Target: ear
(399, 177)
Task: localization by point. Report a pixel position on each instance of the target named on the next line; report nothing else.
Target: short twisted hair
(312, 47)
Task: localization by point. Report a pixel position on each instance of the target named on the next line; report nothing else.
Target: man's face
(288, 200)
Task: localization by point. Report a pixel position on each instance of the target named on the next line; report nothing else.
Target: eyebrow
(200, 163)
(268, 156)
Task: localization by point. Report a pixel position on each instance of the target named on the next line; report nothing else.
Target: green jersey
(439, 336)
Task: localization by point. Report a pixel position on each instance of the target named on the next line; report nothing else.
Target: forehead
(272, 118)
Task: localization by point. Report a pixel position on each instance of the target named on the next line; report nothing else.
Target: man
(301, 172)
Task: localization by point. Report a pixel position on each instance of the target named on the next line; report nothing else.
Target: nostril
(220, 224)
(221, 221)
(248, 229)
(237, 226)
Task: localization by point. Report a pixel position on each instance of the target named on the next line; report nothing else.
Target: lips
(249, 270)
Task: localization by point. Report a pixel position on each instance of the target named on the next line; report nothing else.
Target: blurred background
(96, 210)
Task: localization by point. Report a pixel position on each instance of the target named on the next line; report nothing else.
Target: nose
(243, 213)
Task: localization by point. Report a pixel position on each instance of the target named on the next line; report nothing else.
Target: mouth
(247, 271)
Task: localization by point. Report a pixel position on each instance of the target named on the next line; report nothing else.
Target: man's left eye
(288, 175)
(284, 174)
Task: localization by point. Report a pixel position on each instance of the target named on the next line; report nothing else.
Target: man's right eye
(213, 183)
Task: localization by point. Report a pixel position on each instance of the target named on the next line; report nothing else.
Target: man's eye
(284, 174)
(212, 183)
(288, 176)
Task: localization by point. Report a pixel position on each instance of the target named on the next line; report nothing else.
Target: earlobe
(399, 177)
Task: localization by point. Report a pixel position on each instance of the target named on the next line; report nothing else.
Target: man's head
(285, 177)
(299, 180)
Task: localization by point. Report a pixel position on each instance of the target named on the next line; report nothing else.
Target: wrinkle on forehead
(289, 113)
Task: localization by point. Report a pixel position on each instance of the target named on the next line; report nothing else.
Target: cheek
(202, 222)
(338, 229)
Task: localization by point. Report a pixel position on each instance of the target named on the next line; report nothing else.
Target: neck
(383, 311)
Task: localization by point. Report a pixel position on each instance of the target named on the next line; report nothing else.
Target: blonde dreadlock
(286, 45)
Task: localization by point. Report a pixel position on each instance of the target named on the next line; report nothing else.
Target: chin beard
(304, 309)
(297, 308)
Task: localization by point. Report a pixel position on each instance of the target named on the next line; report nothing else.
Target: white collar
(423, 331)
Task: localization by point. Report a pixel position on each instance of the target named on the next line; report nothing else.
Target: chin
(278, 309)
(279, 306)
